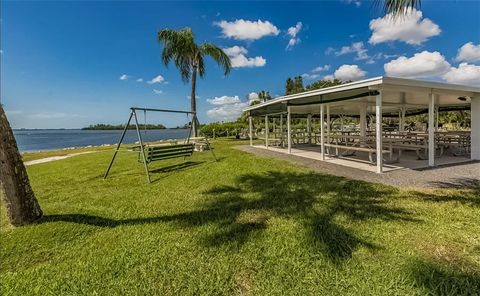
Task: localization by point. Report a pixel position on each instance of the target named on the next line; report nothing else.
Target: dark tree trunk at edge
(194, 101)
(17, 194)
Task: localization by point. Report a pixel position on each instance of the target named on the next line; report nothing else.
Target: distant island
(101, 126)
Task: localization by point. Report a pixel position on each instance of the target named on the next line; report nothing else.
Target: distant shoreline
(110, 127)
(82, 129)
(53, 139)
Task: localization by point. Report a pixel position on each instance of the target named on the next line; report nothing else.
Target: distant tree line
(222, 129)
(102, 126)
(295, 85)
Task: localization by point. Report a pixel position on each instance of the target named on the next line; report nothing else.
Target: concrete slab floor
(450, 171)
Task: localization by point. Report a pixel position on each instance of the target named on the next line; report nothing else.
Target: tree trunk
(17, 194)
(194, 102)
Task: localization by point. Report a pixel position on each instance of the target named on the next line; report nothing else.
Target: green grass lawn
(244, 225)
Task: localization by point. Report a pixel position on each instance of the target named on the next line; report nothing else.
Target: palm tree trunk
(194, 101)
(17, 194)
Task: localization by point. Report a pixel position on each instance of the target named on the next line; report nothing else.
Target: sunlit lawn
(243, 225)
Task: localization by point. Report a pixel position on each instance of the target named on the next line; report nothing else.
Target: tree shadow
(443, 280)
(468, 192)
(176, 167)
(458, 183)
(317, 201)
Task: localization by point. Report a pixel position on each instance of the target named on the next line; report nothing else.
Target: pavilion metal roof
(344, 99)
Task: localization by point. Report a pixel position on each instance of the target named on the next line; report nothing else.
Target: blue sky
(61, 62)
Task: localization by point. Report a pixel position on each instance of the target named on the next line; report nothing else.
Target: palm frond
(397, 7)
(179, 47)
(218, 55)
(200, 64)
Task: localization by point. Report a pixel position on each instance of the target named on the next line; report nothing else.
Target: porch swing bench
(162, 152)
(148, 153)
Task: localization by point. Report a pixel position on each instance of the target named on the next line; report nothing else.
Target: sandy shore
(53, 158)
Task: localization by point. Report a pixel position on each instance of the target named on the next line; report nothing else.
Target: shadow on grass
(317, 201)
(176, 167)
(458, 183)
(442, 280)
(139, 169)
(313, 199)
(468, 192)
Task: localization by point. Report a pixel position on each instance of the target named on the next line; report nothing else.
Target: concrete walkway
(452, 176)
(53, 158)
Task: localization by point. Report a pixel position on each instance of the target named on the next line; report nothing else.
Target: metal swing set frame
(179, 153)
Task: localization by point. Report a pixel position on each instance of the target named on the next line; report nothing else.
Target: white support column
(378, 129)
(250, 129)
(266, 131)
(475, 128)
(322, 135)
(402, 119)
(289, 130)
(431, 131)
(328, 124)
(309, 128)
(281, 130)
(363, 120)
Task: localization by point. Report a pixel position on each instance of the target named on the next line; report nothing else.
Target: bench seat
(153, 153)
(371, 152)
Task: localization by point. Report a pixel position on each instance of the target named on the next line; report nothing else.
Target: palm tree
(398, 7)
(18, 197)
(189, 56)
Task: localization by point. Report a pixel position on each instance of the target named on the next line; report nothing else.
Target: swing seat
(154, 153)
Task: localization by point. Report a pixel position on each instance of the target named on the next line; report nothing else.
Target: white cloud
(465, 74)
(329, 50)
(410, 28)
(421, 65)
(223, 100)
(378, 56)
(389, 56)
(124, 77)
(347, 73)
(228, 107)
(321, 68)
(157, 91)
(228, 112)
(252, 97)
(292, 42)
(357, 3)
(329, 77)
(308, 76)
(356, 47)
(469, 52)
(157, 79)
(293, 32)
(314, 72)
(235, 50)
(140, 80)
(239, 60)
(247, 30)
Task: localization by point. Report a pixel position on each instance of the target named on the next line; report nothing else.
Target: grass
(242, 226)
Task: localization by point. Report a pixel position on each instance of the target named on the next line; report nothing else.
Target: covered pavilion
(370, 145)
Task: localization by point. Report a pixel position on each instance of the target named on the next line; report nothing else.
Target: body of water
(38, 140)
